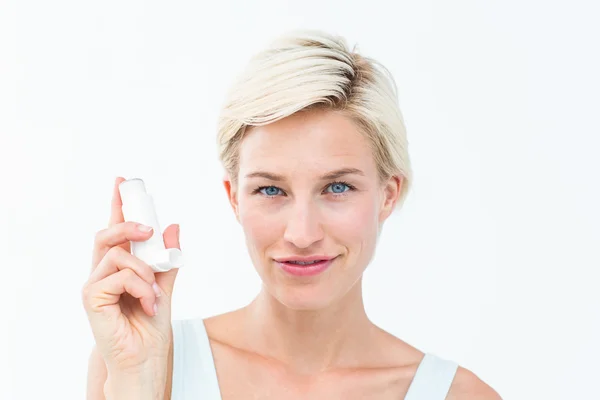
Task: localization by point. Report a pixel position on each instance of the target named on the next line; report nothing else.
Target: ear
(231, 190)
(391, 194)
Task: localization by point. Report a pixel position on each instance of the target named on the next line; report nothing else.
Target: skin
(129, 310)
(310, 337)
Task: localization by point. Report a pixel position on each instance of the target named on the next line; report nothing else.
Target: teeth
(303, 263)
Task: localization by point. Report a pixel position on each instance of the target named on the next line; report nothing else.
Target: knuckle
(113, 253)
(128, 274)
(99, 237)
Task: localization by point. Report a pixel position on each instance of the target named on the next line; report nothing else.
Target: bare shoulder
(468, 386)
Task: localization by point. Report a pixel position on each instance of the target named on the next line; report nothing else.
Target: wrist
(148, 384)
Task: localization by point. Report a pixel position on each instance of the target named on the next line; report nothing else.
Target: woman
(315, 153)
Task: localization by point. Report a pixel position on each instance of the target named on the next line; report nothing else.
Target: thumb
(166, 280)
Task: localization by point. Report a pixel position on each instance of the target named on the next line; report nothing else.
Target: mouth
(305, 266)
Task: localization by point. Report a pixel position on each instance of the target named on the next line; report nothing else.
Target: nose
(303, 226)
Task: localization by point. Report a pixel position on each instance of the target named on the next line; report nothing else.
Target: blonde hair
(307, 69)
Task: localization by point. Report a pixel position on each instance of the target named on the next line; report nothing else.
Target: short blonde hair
(307, 69)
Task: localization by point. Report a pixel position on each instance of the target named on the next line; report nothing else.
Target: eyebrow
(328, 176)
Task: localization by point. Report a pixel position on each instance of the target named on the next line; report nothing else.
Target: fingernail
(144, 228)
(178, 229)
(155, 309)
(156, 289)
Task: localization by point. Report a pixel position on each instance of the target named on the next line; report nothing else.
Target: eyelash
(350, 187)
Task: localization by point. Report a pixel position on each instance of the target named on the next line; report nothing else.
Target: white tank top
(195, 376)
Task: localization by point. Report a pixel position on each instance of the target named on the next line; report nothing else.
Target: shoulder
(467, 385)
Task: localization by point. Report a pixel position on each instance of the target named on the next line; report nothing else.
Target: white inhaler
(138, 206)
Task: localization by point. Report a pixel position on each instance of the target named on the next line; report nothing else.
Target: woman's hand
(129, 306)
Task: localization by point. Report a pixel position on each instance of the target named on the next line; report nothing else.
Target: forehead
(319, 139)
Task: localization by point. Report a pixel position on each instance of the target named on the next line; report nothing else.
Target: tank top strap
(194, 371)
(433, 379)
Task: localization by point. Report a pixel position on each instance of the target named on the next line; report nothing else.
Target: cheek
(260, 229)
(354, 222)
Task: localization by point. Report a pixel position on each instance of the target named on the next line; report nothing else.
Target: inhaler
(138, 206)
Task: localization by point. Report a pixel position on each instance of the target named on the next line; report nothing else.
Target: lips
(316, 265)
(304, 259)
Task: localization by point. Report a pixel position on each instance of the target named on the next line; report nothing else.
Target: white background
(493, 262)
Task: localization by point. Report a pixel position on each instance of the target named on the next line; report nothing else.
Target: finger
(116, 211)
(116, 235)
(107, 292)
(166, 280)
(117, 259)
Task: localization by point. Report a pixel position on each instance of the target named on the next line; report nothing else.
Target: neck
(309, 341)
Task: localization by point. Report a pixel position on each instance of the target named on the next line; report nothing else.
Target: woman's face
(308, 187)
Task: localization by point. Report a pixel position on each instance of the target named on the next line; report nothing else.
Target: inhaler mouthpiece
(138, 206)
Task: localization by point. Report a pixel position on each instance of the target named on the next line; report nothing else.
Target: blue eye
(338, 187)
(270, 190)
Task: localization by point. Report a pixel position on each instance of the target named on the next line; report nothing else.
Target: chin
(302, 297)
